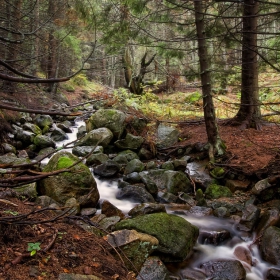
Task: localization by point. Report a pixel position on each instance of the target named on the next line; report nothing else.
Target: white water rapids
(203, 253)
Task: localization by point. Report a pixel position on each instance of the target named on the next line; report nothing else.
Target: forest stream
(202, 251)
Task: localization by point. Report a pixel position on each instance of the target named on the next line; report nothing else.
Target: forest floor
(65, 247)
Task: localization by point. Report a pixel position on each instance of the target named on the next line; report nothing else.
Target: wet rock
(11, 158)
(136, 193)
(97, 159)
(224, 269)
(43, 141)
(216, 191)
(168, 165)
(151, 165)
(26, 137)
(221, 212)
(108, 209)
(270, 245)
(197, 172)
(273, 274)
(81, 131)
(65, 126)
(176, 236)
(146, 208)
(200, 211)
(243, 254)
(82, 151)
(191, 274)
(180, 164)
(231, 207)
(134, 165)
(132, 178)
(8, 148)
(167, 136)
(108, 169)
(101, 136)
(130, 142)
(78, 183)
(125, 156)
(136, 246)
(166, 197)
(43, 121)
(213, 237)
(270, 217)
(250, 215)
(153, 268)
(58, 135)
(185, 198)
(33, 128)
(149, 183)
(22, 154)
(109, 118)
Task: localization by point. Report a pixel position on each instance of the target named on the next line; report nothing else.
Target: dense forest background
(214, 47)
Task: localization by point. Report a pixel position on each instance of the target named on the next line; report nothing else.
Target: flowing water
(202, 252)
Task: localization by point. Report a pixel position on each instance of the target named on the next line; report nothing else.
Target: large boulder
(79, 183)
(110, 118)
(101, 136)
(176, 236)
(167, 136)
(270, 245)
(130, 142)
(43, 141)
(168, 180)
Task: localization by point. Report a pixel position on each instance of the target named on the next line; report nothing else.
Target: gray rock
(132, 178)
(136, 193)
(153, 269)
(88, 211)
(33, 128)
(130, 142)
(270, 245)
(73, 206)
(166, 197)
(109, 118)
(146, 208)
(125, 156)
(97, 159)
(82, 151)
(100, 136)
(166, 136)
(145, 154)
(108, 169)
(221, 212)
(250, 216)
(191, 274)
(176, 236)
(200, 211)
(168, 165)
(28, 190)
(273, 274)
(45, 200)
(81, 131)
(108, 223)
(26, 137)
(270, 217)
(65, 126)
(224, 269)
(110, 210)
(213, 237)
(43, 141)
(134, 165)
(260, 186)
(43, 121)
(8, 148)
(58, 135)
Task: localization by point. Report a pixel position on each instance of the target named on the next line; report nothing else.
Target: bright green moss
(64, 162)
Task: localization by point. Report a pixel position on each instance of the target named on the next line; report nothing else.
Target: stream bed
(202, 251)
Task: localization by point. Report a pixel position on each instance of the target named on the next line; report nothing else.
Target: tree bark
(249, 112)
(216, 146)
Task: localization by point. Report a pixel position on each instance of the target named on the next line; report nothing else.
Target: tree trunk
(249, 111)
(216, 146)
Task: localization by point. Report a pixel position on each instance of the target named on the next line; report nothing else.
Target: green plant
(14, 213)
(33, 248)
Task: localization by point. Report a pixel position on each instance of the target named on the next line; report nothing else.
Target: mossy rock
(217, 191)
(77, 183)
(176, 236)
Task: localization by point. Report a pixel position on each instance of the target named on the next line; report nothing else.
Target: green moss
(64, 162)
(217, 191)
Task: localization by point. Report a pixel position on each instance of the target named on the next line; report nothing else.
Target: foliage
(33, 248)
